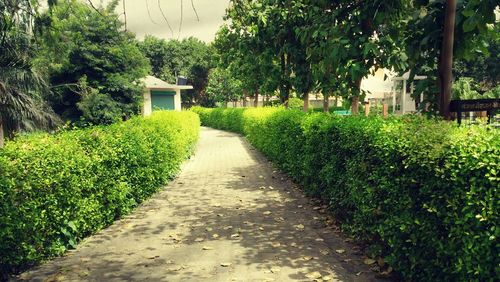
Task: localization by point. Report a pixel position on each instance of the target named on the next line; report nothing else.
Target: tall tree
(189, 57)
(21, 107)
(95, 67)
(474, 25)
(351, 39)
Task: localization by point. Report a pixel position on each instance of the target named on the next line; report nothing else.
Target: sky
(210, 13)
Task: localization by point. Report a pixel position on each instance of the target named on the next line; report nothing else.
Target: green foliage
(423, 193)
(222, 87)
(295, 103)
(475, 29)
(21, 86)
(57, 189)
(85, 45)
(464, 89)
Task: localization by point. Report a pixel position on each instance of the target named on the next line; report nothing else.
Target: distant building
(160, 95)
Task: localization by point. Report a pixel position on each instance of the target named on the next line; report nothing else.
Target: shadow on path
(229, 216)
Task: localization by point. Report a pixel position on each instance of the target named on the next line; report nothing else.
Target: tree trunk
(244, 99)
(336, 101)
(256, 99)
(306, 102)
(2, 140)
(355, 105)
(326, 104)
(355, 99)
(446, 59)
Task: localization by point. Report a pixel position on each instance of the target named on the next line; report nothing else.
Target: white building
(160, 95)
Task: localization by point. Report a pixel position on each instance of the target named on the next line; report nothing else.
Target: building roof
(152, 82)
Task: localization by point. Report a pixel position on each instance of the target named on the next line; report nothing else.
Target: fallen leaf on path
(228, 227)
(205, 248)
(267, 213)
(199, 240)
(276, 244)
(325, 252)
(225, 264)
(153, 257)
(319, 240)
(215, 236)
(327, 278)
(261, 228)
(359, 273)
(293, 244)
(340, 251)
(307, 258)
(369, 261)
(299, 226)
(209, 229)
(235, 235)
(176, 268)
(314, 275)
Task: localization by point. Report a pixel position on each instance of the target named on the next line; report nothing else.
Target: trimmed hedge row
(57, 189)
(423, 193)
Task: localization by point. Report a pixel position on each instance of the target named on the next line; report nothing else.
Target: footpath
(229, 216)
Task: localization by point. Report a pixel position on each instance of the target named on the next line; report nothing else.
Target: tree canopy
(189, 57)
(94, 66)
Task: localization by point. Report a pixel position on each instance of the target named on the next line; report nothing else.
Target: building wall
(177, 100)
(146, 106)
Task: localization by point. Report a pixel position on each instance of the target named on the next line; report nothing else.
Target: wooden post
(403, 99)
(394, 98)
(367, 108)
(385, 110)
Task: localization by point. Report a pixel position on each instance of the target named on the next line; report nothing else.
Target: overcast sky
(210, 13)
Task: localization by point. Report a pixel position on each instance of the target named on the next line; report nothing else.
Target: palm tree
(21, 107)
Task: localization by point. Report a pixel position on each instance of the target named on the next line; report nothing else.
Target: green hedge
(423, 193)
(57, 189)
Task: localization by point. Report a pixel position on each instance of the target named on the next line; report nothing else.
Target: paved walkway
(229, 216)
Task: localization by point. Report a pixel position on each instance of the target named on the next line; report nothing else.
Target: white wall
(146, 107)
(177, 100)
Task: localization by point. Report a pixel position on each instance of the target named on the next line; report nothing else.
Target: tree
(254, 68)
(484, 67)
(86, 48)
(223, 87)
(21, 107)
(351, 39)
(189, 57)
(474, 25)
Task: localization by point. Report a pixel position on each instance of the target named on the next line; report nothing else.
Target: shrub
(423, 193)
(57, 189)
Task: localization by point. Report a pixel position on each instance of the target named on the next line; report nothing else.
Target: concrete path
(229, 216)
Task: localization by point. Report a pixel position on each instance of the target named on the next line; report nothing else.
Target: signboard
(477, 105)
